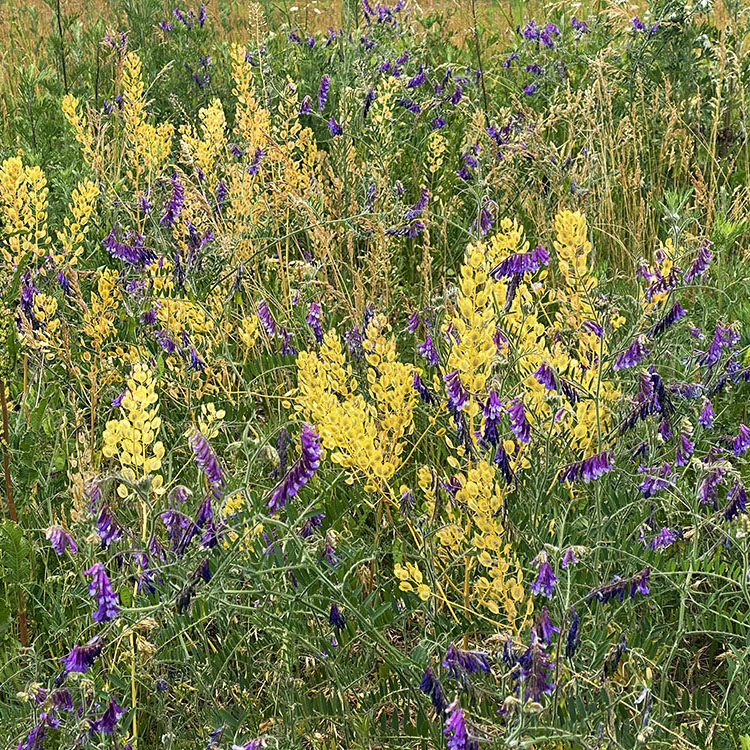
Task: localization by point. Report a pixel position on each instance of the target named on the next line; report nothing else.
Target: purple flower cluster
(468, 662)
(588, 469)
(492, 410)
(313, 320)
(325, 85)
(457, 394)
(430, 685)
(131, 252)
(519, 425)
(700, 264)
(536, 670)
(619, 587)
(632, 355)
(546, 579)
(518, 264)
(174, 207)
(61, 540)
(101, 589)
(300, 473)
(81, 658)
(422, 389)
(208, 462)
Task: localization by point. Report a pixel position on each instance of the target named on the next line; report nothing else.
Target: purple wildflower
(519, 425)
(418, 79)
(569, 557)
(422, 389)
(409, 104)
(544, 628)
(546, 579)
(657, 478)
(632, 355)
(675, 313)
(701, 263)
(706, 419)
(108, 527)
(207, 461)
(574, 635)
(430, 685)
(266, 318)
(82, 657)
(637, 24)
(589, 468)
(685, 448)
(619, 587)
(737, 498)
(334, 127)
(313, 320)
(545, 376)
(709, 485)
(305, 107)
(300, 473)
(741, 443)
(174, 207)
(518, 264)
(101, 588)
(419, 206)
(580, 26)
(60, 539)
(492, 409)
(664, 538)
(536, 670)
(455, 727)
(134, 253)
(108, 720)
(325, 85)
(469, 662)
(457, 394)
(369, 99)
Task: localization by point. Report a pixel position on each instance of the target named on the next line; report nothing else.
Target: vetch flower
(325, 85)
(589, 468)
(467, 661)
(108, 720)
(428, 351)
(574, 635)
(569, 557)
(492, 410)
(519, 425)
(81, 658)
(336, 619)
(457, 394)
(101, 588)
(709, 485)
(545, 376)
(208, 462)
(706, 419)
(737, 498)
(544, 628)
(741, 443)
(536, 670)
(632, 355)
(546, 579)
(313, 320)
(517, 264)
(174, 207)
(675, 313)
(701, 263)
(61, 540)
(300, 473)
(455, 728)
(334, 127)
(422, 389)
(619, 587)
(430, 685)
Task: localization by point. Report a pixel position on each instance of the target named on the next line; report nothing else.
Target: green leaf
(16, 552)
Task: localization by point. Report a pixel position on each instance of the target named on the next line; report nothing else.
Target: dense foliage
(378, 387)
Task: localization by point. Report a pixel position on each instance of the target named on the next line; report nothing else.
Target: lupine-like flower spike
(492, 410)
(301, 473)
(101, 588)
(455, 728)
(545, 630)
(737, 498)
(61, 540)
(685, 448)
(336, 619)
(707, 416)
